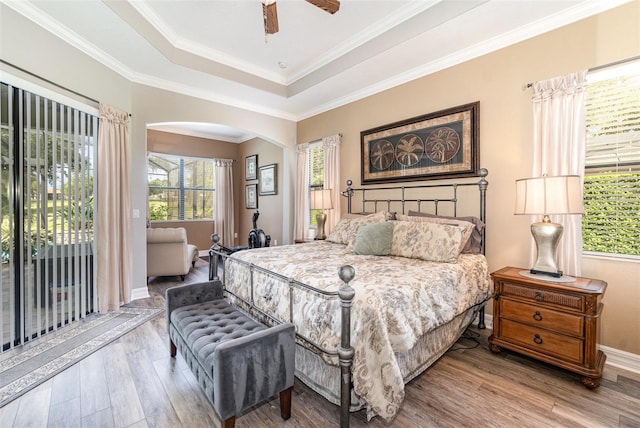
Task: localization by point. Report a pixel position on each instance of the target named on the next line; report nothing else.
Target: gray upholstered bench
(237, 361)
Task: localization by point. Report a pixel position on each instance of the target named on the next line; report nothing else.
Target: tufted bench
(237, 361)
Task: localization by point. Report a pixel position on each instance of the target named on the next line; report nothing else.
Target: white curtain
(301, 200)
(114, 208)
(332, 178)
(223, 211)
(559, 149)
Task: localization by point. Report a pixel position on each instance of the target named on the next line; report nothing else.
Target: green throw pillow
(374, 239)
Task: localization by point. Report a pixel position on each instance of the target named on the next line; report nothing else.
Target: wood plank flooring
(134, 383)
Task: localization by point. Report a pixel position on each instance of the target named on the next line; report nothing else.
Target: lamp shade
(321, 199)
(549, 195)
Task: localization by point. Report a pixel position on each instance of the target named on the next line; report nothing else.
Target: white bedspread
(397, 300)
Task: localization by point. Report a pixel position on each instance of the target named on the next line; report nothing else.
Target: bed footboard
(345, 294)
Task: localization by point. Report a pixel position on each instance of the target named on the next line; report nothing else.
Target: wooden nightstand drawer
(554, 321)
(540, 340)
(540, 295)
(538, 316)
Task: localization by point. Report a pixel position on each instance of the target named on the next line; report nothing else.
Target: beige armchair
(168, 252)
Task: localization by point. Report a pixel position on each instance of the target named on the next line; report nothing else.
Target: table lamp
(321, 200)
(548, 195)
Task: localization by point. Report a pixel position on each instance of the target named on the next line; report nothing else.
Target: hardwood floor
(134, 383)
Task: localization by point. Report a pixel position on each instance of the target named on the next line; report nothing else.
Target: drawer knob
(538, 296)
(537, 316)
(537, 339)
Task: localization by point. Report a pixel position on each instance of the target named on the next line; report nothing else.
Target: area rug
(46, 357)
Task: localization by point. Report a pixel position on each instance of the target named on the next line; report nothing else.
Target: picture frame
(251, 167)
(438, 145)
(251, 196)
(268, 180)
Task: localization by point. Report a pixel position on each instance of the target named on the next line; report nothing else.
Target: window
(47, 184)
(612, 162)
(316, 174)
(180, 188)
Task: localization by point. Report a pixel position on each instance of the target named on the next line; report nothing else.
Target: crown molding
(580, 11)
(365, 36)
(34, 14)
(212, 96)
(186, 45)
(174, 128)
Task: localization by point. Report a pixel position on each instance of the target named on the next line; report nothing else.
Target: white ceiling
(217, 50)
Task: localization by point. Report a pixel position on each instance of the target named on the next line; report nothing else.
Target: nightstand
(553, 322)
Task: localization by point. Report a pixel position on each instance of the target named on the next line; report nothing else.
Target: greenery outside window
(180, 188)
(612, 162)
(316, 175)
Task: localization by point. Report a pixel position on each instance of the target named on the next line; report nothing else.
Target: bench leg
(230, 422)
(172, 348)
(285, 403)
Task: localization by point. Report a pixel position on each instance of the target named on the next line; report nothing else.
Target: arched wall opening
(272, 139)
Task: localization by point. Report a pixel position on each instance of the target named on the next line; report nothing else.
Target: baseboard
(139, 293)
(615, 357)
(621, 359)
(203, 253)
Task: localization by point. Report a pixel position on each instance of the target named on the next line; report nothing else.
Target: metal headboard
(447, 195)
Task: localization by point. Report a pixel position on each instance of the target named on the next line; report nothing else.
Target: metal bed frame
(346, 273)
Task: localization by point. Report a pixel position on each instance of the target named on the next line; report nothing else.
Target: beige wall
(505, 129)
(496, 81)
(31, 48)
(271, 207)
(151, 105)
(28, 46)
(198, 232)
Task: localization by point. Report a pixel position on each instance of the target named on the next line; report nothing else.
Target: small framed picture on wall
(251, 196)
(268, 180)
(251, 167)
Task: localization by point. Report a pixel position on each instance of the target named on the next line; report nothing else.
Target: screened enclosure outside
(180, 188)
(47, 156)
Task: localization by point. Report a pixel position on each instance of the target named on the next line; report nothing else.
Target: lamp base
(543, 277)
(320, 220)
(546, 235)
(557, 274)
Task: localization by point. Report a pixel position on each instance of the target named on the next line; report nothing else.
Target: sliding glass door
(47, 185)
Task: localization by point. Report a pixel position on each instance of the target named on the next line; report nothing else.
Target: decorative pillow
(344, 232)
(374, 239)
(427, 241)
(474, 245)
(341, 232)
(367, 219)
(468, 226)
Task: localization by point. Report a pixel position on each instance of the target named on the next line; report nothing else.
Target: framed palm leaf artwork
(437, 145)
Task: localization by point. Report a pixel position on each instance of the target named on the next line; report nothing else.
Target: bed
(399, 313)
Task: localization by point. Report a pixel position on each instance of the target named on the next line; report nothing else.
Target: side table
(551, 321)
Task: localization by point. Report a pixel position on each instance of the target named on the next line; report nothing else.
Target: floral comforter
(397, 300)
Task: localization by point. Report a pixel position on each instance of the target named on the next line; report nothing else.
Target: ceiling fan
(270, 13)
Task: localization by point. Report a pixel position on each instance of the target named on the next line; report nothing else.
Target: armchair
(168, 252)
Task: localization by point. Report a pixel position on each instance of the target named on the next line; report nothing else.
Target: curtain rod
(599, 67)
(49, 81)
(64, 88)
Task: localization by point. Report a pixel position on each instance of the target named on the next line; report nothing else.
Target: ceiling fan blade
(331, 6)
(270, 14)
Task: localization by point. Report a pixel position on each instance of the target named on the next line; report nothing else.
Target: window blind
(612, 162)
